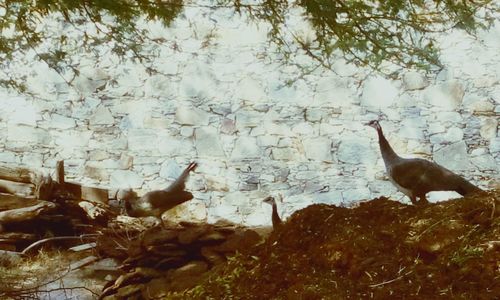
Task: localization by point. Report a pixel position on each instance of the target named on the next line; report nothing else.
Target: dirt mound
(380, 249)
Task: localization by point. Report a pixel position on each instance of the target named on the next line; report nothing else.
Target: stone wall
(256, 127)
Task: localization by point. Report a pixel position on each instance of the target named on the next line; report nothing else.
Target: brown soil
(381, 249)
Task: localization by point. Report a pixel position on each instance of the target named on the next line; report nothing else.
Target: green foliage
(367, 33)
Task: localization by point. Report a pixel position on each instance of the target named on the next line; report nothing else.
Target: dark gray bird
(415, 177)
(154, 203)
(275, 217)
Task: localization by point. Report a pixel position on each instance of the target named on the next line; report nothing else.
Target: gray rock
(485, 162)
(495, 145)
(125, 179)
(445, 96)
(207, 142)
(142, 139)
(414, 81)
(102, 116)
(245, 148)
(170, 169)
(378, 92)
(28, 134)
(318, 148)
(286, 153)
(489, 128)
(356, 151)
(452, 135)
(453, 157)
(191, 116)
(61, 122)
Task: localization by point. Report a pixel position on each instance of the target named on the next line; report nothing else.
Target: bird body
(415, 177)
(156, 202)
(275, 216)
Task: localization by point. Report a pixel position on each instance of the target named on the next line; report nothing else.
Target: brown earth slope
(381, 249)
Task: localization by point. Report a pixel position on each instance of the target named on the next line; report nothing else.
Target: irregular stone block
(318, 148)
(453, 157)
(489, 128)
(378, 92)
(27, 134)
(445, 96)
(191, 116)
(356, 151)
(414, 81)
(245, 148)
(125, 179)
(102, 116)
(207, 142)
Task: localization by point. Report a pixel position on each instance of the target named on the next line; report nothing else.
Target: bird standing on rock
(275, 217)
(415, 177)
(156, 202)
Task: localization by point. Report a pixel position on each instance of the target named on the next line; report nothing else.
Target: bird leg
(413, 199)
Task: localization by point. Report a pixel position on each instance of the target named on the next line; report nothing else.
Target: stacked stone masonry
(229, 107)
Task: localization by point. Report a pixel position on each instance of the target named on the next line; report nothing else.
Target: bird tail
(178, 185)
(464, 188)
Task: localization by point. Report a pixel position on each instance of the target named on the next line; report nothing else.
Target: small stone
(489, 128)
(61, 122)
(414, 81)
(187, 131)
(191, 116)
(453, 157)
(102, 116)
(228, 126)
(318, 148)
(125, 179)
(207, 142)
(246, 147)
(445, 96)
(378, 92)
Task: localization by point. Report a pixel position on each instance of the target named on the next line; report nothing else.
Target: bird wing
(421, 175)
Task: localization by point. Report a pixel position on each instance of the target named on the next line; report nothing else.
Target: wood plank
(17, 174)
(93, 194)
(17, 188)
(8, 201)
(26, 213)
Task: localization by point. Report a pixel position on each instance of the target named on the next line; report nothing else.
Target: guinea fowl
(415, 177)
(156, 202)
(275, 217)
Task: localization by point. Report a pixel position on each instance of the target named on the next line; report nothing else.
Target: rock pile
(170, 257)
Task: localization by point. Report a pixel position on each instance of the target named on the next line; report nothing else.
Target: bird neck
(388, 153)
(275, 217)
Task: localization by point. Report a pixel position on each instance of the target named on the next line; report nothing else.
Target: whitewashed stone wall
(220, 98)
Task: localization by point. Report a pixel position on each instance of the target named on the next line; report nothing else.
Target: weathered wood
(83, 247)
(83, 262)
(17, 174)
(59, 175)
(17, 188)
(13, 237)
(77, 191)
(26, 213)
(8, 201)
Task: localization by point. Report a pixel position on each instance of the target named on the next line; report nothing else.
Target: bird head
(375, 124)
(269, 200)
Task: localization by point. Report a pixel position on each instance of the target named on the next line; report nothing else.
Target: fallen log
(26, 213)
